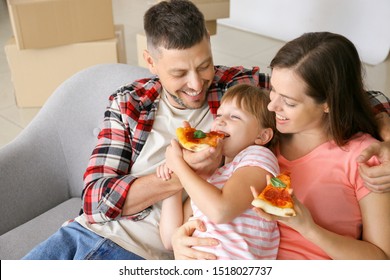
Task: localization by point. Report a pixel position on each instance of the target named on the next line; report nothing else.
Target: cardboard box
(141, 46)
(211, 26)
(36, 73)
(50, 23)
(141, 41)
(121, 45)
(212, 9)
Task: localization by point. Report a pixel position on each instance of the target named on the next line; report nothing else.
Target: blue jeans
(74, 242)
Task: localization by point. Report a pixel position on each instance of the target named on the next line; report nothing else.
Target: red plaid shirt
(127, 122)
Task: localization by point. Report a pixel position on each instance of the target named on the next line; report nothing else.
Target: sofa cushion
(19, 241)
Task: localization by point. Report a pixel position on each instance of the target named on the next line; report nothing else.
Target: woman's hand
(302, 222)
(182, 242)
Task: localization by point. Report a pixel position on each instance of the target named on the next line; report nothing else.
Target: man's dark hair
(175, 24)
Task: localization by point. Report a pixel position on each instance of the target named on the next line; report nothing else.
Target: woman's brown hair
(330, 66)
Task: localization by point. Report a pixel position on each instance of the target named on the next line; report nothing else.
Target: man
(122, 195)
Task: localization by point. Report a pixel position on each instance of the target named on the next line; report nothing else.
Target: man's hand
(376, 178)
(182, 242)
(204, 162)
(383, 120)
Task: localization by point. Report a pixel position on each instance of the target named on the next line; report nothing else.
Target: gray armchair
(41, 171)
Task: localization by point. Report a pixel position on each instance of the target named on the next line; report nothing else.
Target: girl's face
(296, 112)
(241, 129)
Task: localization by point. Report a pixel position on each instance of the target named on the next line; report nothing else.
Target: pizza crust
(276, 197)
(271, 209)
(194, 147)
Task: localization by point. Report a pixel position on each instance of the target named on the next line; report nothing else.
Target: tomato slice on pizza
(197, 140)
(276, 197)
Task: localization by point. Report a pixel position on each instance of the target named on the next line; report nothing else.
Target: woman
(325, 122)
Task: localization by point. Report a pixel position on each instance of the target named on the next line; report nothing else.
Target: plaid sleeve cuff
(379, 102)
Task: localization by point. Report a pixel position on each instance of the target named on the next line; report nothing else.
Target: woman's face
(296, 112)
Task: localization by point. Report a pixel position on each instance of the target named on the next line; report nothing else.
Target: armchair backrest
(77, 110)
(44, 165)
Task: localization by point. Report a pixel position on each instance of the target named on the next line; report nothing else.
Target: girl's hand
(163, 172)
(205, 162)
(174, 155)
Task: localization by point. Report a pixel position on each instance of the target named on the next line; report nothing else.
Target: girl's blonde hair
(254, 100)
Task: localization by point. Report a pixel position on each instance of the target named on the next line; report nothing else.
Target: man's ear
(264, 136)
(150, 62)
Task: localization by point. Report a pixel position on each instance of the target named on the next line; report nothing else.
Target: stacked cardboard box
(54, 39)
(211, 9)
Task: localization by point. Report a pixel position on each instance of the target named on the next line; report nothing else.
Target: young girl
(325, 121)
(223, 202)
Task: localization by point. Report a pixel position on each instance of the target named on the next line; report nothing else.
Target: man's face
(185, 74)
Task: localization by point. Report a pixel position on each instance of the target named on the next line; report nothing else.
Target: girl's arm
(171, 218)
(173, 214)
(219, 205)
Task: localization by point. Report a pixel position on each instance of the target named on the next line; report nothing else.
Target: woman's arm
(375, 243)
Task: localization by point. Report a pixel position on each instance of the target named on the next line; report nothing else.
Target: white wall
(365, 22)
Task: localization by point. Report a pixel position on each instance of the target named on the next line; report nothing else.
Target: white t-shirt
(143, 237)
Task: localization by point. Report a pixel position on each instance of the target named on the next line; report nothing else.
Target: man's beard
(179, 101)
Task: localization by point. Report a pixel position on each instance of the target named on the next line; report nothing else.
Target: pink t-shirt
(328, 183)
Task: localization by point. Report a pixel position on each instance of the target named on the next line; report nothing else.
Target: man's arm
(379, 102)
(383, 120)
(148, 190)
(108, 192)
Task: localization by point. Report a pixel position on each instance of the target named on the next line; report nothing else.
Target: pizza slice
(276, 197)
(197, 140)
